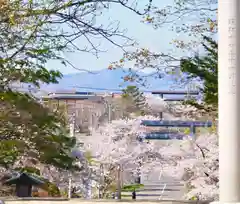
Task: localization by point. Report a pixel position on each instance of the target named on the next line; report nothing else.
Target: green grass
(126, 196)
(130, 188)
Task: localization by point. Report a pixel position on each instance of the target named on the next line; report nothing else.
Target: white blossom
(193, 162)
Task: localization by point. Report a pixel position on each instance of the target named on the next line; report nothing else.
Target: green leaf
(204, 68)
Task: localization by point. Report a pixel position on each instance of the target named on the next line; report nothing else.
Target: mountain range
(108, 80)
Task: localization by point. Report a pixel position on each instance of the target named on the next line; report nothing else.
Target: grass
(130, 188)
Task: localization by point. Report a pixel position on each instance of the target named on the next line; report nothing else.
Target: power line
(102, 89)
(94, 88)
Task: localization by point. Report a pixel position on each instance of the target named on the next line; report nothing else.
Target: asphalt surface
(165, 189)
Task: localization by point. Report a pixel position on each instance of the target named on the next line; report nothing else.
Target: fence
(175, 123)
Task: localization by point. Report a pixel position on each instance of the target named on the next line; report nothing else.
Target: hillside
(111, 80)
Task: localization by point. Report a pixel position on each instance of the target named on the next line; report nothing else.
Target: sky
(147, 37)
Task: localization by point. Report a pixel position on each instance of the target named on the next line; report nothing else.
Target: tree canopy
(134, 98)
(205, 69)
(32, 34)
(29, 130)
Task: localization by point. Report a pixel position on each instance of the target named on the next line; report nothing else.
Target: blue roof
(72, 92)
(175, 123)
(84, 93)
(69, 96)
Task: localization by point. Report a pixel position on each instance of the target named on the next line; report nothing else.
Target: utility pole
(69, 187)
(109, 112)
(161, 113)
(101, 181)
(108, 107)
(89, 184)
(119, 187)
(72, 134)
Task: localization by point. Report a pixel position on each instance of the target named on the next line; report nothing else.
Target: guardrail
(172, 123)
(162, 135)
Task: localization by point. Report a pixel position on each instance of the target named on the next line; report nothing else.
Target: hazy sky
(146, 36)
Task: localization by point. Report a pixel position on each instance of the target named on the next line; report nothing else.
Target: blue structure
(84, 93)
(73, 92)
(74, 97)
(172, 123)
(161, 136)
(175, 123)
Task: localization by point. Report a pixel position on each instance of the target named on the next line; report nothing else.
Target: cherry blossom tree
(117, 143)
(193, 162)
(172, 110)
(196, 164)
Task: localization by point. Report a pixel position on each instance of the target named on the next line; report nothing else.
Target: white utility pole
(119, 187)
(72, 127)
(72, 134)
(101, 185)
(229, 90)
(69, 187)
(109, 112)
(108, 106)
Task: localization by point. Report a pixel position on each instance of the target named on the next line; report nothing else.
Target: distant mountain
(109, 80)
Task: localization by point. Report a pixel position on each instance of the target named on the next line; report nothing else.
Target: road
(167, 188)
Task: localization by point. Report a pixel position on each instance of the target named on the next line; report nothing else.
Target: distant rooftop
(173, 92)
(72, 92)
(73, 97)
(85, 95)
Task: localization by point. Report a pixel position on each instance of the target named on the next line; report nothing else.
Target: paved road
(153, 188)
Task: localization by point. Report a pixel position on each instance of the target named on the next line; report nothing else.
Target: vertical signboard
(228, 77)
